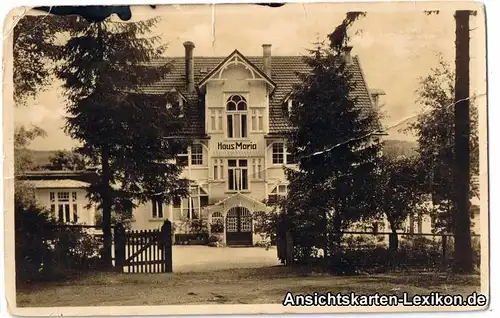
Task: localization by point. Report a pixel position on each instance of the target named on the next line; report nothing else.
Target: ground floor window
(415, 223)
(191, 206)
(237, 174)
(64, 205)
(217, 225)
(277, 193)
(157, 208)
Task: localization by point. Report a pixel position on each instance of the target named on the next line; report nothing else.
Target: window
(181, 106)
(176, 209)
(192, 206)
(157, 208)
(236, 107)
(63, 196)
(281, 154)
(197, 154)
(218, 169)
(257, 120)
(65, 205)
(257, 168)
(415, 223)
(237, 174)
(289, 106)
(278, 153)
(183, 158)
(217, 218)
(277, 193)
(216, 120)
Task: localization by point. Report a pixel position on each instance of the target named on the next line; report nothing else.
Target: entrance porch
(235, 214)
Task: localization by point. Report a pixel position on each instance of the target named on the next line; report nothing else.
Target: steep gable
(284, 71)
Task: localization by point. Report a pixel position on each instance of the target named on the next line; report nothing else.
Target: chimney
(347, 55)
(375, 95)
(189, 46)
(266, 58)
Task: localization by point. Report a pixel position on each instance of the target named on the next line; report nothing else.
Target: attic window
(289, 106)
(204, 70)
(175, 100)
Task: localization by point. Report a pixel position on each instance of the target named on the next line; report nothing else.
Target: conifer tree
(334, 183)
(122, 131)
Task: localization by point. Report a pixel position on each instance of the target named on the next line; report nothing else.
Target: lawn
(265, 285)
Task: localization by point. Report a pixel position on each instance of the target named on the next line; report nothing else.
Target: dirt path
(236, 286)
(204, 258)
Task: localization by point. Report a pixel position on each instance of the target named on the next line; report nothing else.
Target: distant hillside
(41, 157)
(400, 148)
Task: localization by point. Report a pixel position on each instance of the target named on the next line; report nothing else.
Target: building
(64, 193)
(237, 159)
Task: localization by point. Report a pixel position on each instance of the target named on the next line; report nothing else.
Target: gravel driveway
(205, 258)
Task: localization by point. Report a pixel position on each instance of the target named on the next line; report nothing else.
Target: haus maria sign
(237, 145)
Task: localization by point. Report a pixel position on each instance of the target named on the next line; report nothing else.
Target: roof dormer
(236, 60)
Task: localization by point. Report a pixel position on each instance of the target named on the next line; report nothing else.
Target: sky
(396, 45)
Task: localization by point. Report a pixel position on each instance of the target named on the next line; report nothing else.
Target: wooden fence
(144, 251)
(441, 245)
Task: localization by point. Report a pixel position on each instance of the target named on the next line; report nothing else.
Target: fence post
(166, 238)
(444, 244)
(119, 247)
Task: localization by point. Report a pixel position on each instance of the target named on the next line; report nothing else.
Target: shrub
(45, 250)
(476, 251)
(217, 227)
(420, 251)
(30, 249)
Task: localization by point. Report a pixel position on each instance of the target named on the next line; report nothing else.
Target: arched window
(236, 107)
(217, 218)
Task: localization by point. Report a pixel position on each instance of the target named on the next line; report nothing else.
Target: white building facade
(236, 162)
(64, 193)
(239, 151)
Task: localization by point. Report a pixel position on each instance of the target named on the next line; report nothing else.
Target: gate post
(119, 247)
(166, 238)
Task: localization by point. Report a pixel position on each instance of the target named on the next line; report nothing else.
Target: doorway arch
(239, 226)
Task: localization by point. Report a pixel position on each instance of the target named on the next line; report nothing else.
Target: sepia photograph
(246, 158)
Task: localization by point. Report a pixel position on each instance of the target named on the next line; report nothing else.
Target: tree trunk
(326, 235)
(461, 218)
(105, 180)
(393, 240)
(393, 248)
(106, 208)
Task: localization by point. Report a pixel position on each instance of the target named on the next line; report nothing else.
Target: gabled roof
(284, 71)
(58, 184)
(81, 175)
(239, 195)
(235, 55)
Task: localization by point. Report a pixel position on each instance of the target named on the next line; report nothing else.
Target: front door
(239, 226)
